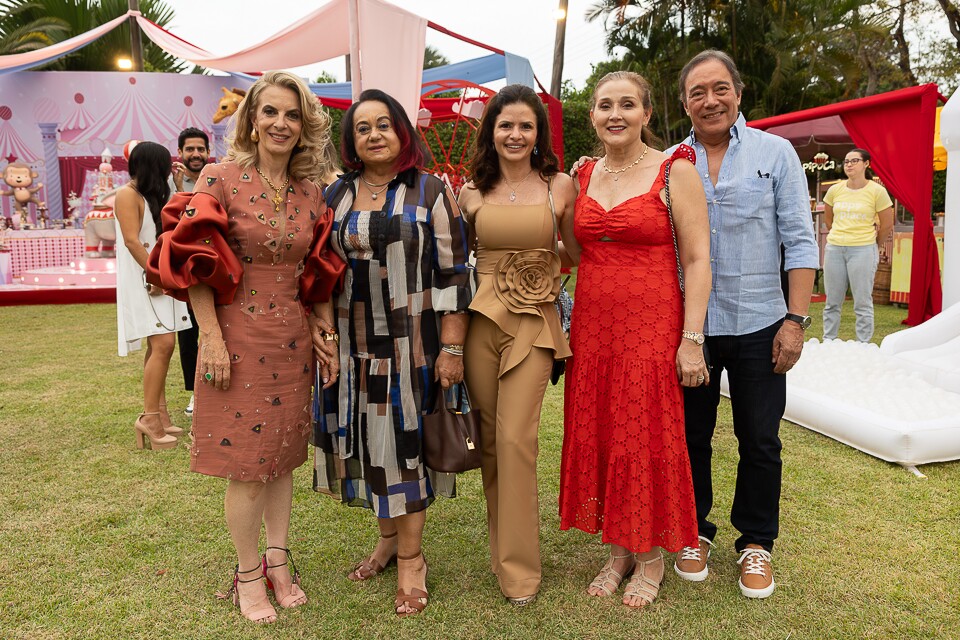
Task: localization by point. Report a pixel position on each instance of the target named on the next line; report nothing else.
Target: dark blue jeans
(758, 397)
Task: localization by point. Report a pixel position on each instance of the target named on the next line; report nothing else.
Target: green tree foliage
(432, 58)
(20, 33)
(74, 17)
(792, 54)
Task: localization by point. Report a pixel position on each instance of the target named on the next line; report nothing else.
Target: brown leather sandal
(416, 599)
(370, 568)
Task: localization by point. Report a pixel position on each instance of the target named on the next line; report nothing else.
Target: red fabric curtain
(897, 129)
(902, 155)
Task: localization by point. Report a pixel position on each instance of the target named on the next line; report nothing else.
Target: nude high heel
(153, 438)
(168, 427)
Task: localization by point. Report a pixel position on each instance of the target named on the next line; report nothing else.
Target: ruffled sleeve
(323, 268)
(195, 250)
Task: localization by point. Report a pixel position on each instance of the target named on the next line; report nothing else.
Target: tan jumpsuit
(514, 337)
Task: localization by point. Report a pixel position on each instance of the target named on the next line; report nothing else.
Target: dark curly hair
(149, 165)
(484, 161)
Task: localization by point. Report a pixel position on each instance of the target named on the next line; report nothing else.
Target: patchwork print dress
(406, 265)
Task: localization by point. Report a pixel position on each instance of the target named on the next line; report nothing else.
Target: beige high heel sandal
(261, 612)
(153, 438)
(168, 427)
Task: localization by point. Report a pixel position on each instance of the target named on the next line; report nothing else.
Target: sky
(523, 27)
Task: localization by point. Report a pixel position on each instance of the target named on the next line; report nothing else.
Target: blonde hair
(311, 156)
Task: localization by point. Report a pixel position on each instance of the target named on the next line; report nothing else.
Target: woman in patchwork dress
(402, 322)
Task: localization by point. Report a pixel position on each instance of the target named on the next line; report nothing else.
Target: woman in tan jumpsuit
(514, 206)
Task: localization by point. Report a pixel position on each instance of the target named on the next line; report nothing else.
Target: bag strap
(441, 402)
(673, 229)
(553, 214)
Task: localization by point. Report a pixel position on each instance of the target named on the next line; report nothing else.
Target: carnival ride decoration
(228, 104)
(448, 134)
(19, 177)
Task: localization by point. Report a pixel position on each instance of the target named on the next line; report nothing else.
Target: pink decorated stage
(83, 280)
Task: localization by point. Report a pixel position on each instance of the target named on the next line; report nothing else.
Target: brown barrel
(881, 283)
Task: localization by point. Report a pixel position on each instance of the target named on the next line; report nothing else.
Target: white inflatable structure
(899, 402)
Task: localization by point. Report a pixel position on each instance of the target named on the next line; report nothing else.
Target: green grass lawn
(100, 540)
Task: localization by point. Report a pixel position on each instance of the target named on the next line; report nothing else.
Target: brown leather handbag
(451, 439)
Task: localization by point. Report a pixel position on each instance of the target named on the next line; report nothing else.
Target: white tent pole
(950, 136)
(356, 72)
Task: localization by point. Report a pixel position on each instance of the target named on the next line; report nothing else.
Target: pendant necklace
(277, 199)
(513, 189)
(370, 186)
(616, 172)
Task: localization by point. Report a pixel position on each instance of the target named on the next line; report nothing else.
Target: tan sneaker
(691, 562)
(756, 572)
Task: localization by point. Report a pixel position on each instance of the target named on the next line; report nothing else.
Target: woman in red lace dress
(625, 469)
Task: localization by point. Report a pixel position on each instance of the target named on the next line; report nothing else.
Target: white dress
(138, 313)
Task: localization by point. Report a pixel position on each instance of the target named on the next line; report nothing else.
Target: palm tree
(79, 16)
(19, 35)
(433, 58)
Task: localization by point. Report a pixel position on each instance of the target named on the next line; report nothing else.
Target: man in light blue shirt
(757, 201)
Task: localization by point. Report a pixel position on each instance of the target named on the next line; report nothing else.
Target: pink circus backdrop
(61, 122)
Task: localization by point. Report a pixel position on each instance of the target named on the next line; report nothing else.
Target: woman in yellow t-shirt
(853, 210)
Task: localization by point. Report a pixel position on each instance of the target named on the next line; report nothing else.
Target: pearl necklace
(513, 189)
(370, 186)
(276, 198)
(616, 172)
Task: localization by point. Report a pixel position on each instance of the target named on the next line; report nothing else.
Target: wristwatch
(803, 321)
(698, 338)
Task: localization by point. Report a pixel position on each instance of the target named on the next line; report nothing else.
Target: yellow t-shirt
(855, 212)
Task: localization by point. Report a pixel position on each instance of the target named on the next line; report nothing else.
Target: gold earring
(300, 144)
(254, 136)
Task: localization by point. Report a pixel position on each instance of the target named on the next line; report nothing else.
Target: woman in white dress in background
(142, 309)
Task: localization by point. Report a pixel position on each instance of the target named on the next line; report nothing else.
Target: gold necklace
(513, 189)
(616, 172)
(276, 198)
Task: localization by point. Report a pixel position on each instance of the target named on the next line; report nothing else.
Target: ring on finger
(208, 376)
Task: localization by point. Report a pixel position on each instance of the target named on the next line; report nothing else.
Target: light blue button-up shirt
(760, 202)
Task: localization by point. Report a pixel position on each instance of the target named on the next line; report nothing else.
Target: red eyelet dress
(625, 468)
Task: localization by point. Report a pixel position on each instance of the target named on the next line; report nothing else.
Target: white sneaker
(189, 410)
(691, 562)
